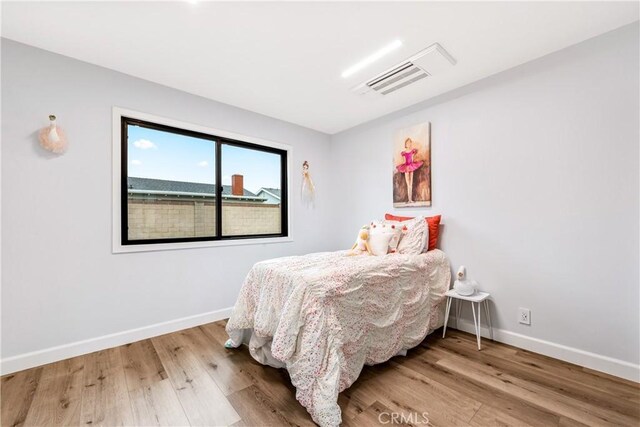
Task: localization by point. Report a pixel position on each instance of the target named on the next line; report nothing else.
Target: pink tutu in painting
(409, 165)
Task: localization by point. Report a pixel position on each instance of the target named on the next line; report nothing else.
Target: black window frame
(218, 141)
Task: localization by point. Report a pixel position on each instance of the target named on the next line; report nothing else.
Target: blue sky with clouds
(162, 155)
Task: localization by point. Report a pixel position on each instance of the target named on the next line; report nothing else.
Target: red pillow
(432, 221)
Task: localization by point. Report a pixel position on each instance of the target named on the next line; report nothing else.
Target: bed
(323, 316)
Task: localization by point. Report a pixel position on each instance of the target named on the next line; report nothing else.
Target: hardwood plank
(492, 348)
(620, 387)
(566, 368)
(220, 365)
(105, 398)
(490, 416)
(568, 422)
(142, 366)
(258, 409)
(236, 370)
(202, 400)
(548, 399)
(597, 381)
(58, 395)
(351, 406)
(597, 376)
(427, 364)
(275, 384)
(378, 414)
(17, 391)
(539, 376)
(157, 405)
(218, 333)
(406, 391)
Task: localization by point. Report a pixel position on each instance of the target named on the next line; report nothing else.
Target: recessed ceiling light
(372, 58)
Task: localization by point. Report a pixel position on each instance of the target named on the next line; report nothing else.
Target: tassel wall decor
(52, 138)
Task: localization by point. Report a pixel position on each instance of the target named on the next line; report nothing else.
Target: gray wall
(60, 281)
(535, 172)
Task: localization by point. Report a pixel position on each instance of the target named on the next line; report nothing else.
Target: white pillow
(415, 238)
(400, 228)
(384, 227)
(379, 243)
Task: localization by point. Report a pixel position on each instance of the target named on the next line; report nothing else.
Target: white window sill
(118, 248)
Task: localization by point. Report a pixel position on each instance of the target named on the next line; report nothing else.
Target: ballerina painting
(412, 167)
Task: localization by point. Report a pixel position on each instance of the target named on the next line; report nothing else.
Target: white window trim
(118, 247)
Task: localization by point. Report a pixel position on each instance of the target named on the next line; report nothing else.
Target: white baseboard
(61, 352)
(609, 365)
(594, 361)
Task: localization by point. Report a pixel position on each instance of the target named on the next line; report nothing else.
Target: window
(181, 185)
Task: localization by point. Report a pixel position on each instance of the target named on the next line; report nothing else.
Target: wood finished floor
(189, 378)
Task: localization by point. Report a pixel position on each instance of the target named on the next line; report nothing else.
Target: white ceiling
(285, 59)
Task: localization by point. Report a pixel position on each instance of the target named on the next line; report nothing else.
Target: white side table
(477, 298)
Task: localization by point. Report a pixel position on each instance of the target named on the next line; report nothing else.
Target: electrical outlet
(525, 316)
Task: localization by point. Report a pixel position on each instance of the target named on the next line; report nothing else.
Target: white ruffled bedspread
(324, 315)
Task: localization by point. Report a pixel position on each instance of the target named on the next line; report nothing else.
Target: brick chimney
(237, 186)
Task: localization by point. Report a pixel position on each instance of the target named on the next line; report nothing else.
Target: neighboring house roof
(181, 187)
(275, 192)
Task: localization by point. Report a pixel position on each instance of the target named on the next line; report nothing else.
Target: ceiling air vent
(428, 62)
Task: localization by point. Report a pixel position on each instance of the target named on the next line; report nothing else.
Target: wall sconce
(52, 138)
